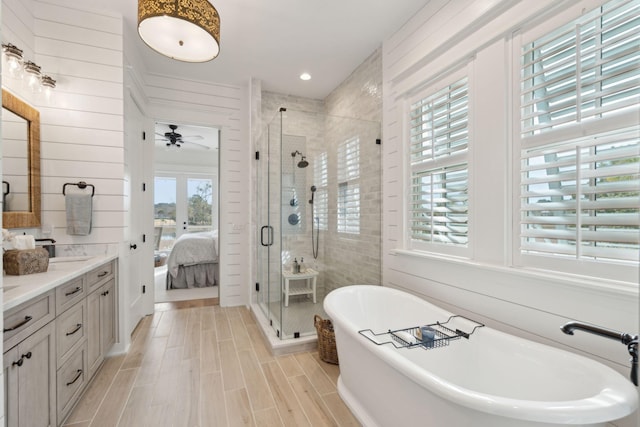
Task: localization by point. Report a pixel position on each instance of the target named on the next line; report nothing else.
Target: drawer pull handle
(78, 326)
(78, 375)
(105, 293)
(104, 273)
(26, 320)
(75, 291)
(20, 361)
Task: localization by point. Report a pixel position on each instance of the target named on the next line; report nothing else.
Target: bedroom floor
(195, 363)
(164, 295)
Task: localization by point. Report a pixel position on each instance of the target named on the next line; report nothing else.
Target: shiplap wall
(225, 107)
(463, 33)
(82, 129)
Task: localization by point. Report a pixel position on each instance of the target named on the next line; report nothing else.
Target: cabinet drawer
(70, 329)
(69, 293)
(99, 275)
(23, 320)
(72, 377)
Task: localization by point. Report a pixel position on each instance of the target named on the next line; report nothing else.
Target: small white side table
(308, 288)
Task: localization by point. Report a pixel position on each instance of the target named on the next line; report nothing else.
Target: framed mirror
(20, 163)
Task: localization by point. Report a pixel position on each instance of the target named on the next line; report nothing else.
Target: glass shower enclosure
(311, 176)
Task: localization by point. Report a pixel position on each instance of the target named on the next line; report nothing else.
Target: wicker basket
(326, 340)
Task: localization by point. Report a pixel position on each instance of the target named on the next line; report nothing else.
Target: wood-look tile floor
(194, 363)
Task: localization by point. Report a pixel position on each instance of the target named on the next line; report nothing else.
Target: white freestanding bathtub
(491, 379)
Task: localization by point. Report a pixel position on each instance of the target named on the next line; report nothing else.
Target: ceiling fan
(174, 139)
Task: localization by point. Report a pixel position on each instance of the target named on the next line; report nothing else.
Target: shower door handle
(270, 237)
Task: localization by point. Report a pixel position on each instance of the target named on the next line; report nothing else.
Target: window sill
(608, 287)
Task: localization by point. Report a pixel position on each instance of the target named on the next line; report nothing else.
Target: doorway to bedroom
(185, 212)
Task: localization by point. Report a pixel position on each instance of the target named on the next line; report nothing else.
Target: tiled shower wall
(355, 259)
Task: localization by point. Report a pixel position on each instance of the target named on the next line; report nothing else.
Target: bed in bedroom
(193, 261)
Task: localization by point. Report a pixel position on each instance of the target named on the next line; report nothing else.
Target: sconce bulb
(32, 74)
(13, 58)
(48, 86)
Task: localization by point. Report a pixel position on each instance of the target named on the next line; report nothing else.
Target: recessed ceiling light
(305, 76)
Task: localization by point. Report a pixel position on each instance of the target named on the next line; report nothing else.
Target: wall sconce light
(29, 71)
(13, 56)
(48, 85)
(33, 76)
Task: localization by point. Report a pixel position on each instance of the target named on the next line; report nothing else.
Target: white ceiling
(276, 40)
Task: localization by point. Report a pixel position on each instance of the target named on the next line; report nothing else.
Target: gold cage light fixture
(186, 30)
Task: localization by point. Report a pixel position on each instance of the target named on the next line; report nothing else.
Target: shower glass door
(268, 212)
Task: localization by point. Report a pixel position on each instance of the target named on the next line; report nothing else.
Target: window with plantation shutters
(321, 199)
(580, 156)
(348, 218)
(584, 70)
(439, 139)
(581, 200)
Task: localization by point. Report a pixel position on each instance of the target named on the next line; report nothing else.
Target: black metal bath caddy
(410, 337)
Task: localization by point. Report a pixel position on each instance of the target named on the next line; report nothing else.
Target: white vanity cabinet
(54, 343)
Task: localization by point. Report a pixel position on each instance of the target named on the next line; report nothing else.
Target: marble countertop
(19, 289)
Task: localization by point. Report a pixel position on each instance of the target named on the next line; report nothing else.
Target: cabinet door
(94, 355)
(107, 316)
(10, 370)
(30, 385)
(101, 325)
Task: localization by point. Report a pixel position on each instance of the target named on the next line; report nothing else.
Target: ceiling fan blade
(193, 137)
(206, 147)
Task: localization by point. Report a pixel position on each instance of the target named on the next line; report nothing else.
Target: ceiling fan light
(185, 30)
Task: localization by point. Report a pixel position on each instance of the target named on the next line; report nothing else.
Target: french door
(183, 203)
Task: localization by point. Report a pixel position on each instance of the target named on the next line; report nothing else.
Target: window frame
(430, 88)
(563, 136)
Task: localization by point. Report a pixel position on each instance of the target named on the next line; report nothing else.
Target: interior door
(139, 285)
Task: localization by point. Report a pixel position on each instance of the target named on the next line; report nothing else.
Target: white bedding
(193, 249)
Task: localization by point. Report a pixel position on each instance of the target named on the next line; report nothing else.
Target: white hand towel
(79, 213)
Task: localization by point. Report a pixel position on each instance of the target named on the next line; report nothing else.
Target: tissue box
(27, 261)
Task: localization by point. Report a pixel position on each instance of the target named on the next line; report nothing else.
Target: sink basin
(57, 260)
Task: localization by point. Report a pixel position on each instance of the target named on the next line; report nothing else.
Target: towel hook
(82, 185)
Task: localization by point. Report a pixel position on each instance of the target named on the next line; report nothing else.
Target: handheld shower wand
(313, 191)
(315, 239)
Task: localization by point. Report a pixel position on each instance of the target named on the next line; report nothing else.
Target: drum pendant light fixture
(186, 30)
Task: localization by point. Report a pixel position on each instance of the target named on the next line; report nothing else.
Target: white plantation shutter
(583, 200)
(439, 138)
(580, 185)
(585, 70)
(321, 199)
(349, 186)
(439, 206)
